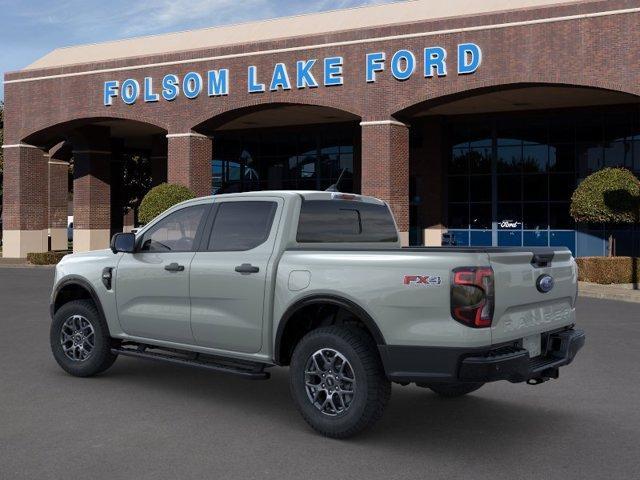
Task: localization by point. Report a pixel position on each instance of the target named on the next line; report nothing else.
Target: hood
(93, 255)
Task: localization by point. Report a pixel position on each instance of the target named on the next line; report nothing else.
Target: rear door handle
(174, 267)
(247, 268)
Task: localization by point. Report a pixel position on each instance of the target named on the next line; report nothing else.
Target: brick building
(472, 118)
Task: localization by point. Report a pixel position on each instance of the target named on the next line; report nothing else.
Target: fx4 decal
(422, 280)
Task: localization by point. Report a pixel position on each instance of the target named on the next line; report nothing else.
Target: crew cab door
(152, 284)
(228, 274)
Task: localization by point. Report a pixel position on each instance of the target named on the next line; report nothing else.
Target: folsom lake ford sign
(310, 73)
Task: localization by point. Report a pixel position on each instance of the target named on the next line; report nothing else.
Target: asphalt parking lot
(147, 420)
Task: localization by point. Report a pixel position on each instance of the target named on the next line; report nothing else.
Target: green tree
(136, 182)
(608, 196)
(162, 197)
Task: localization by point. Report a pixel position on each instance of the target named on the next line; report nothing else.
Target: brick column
(426, 172)
(58, 196)
(91, 189)
(128, 221)
(25, 201)
(189, 161)
(385, 168)
(158, 160)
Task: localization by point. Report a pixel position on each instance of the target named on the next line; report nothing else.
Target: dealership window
(510, 177)
(302, 158)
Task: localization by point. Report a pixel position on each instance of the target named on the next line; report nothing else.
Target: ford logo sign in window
(544, 284)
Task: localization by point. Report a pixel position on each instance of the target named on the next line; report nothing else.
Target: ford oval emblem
(544, 284)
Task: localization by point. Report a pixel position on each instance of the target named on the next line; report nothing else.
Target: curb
(608, 292)
(620, 297)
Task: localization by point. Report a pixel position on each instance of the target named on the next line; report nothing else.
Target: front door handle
(174, 267)
(247, 268)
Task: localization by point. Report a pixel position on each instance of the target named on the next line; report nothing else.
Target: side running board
(248, 370)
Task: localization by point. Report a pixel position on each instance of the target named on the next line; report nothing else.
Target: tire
(452, 390)
(347, 414)
(86, 363)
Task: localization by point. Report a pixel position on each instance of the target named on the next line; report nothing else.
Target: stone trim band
(189, 134)
(19, 145)
(383, 122)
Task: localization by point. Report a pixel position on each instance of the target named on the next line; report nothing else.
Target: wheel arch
(71, 288)
(289, 316)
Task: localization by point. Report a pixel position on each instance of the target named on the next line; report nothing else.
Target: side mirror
(123, 242)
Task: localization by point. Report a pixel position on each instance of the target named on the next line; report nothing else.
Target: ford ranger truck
(318, 282)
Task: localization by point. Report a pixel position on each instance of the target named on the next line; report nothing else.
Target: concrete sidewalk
(20, 263)
(12, 262)
(624, 292)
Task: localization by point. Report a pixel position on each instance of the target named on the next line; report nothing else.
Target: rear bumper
(507, 362)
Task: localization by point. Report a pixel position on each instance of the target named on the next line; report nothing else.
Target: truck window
(324, 221)
(174, 233)
(241, 225)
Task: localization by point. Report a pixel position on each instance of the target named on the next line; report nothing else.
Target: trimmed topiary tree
(160, 198)
(611, 195)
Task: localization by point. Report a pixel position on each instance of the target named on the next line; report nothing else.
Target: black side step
(248, 370)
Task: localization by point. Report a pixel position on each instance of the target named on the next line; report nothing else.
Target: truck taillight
(472, 296)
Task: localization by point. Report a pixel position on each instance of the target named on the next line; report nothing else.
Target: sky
(30, 29)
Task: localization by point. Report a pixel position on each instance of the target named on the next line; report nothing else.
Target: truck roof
(305, 194)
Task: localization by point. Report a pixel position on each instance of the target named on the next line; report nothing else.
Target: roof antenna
(334, 187)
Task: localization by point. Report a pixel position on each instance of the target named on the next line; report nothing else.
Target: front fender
(71, 280)
(85, 271)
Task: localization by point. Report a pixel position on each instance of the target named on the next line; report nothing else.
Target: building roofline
(309, 24)
(239, 24)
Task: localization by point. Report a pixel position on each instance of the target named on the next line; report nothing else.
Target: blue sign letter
(110, 91)
(149, 96)
(304, 77)
(130, 91)
(469, 58)
(218, 82)
(375, 63)
(192, 85)
(280, 78)
(254, 86)
(170, 88)
(333, 71)
(397, 69)
(435, 57)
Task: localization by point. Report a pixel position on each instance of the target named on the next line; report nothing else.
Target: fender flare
(81, 282)
(348, 305)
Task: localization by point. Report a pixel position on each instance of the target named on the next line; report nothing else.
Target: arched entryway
(284, 147)
(497, 166)
(93, 170)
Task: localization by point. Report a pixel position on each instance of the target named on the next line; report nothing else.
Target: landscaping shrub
(607, 196)
(607, 270)
(160, 198)
(45, 258)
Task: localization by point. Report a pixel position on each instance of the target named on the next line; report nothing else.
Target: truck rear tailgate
(522, 309)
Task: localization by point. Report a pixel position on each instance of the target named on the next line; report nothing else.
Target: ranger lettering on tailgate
(537, 317)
